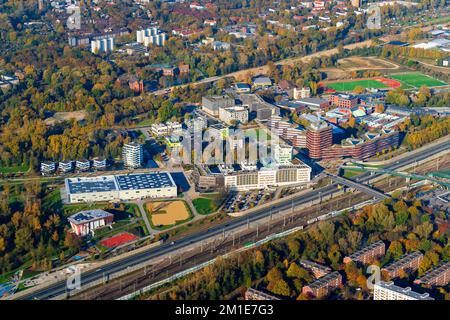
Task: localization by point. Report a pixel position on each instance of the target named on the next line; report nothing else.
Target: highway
(59, 288)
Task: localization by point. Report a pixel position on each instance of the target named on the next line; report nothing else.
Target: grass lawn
(145, 123)
(417, 79)
(14, 169)
(349, 173)
(204, 205)
(351, 85)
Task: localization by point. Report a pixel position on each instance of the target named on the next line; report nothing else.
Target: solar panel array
(144, 181)
(89, 185)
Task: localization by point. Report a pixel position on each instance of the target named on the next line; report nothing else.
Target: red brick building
(319, 136)
(367, 254)
(323, 286)
(343, 100)
(407, 263)
(437, 277)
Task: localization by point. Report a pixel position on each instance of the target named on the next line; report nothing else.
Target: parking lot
(242, 201)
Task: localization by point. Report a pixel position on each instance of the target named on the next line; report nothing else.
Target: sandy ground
(167, 212)
(65, 116)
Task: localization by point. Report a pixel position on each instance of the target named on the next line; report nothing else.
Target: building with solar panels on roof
(120, 187)
(85, 222)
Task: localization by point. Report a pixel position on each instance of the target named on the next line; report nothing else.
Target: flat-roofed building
(323, 286)
(319, 136)
(48, 167)
(389, 291)
(82, 165)
(242, 87)
(343, 100)
(301, 93)
(262, 82)
(120, 187)
(212, 104)
(407, 263)
(368, 253)
(268, 177)
(253, 294)
(99, 163)
(314, 103)
(65, 166)
(234, 114)
(317, 269)
(439, 276)
(85, 222)
(133, 155)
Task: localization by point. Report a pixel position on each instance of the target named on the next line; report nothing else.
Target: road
(361, 187)
(59, 288)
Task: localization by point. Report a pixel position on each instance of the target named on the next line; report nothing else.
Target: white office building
(133, 155)
(120, 187)
(233, 114)
(268, 177)
(389, 291)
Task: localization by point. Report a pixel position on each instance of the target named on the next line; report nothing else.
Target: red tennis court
(118, 240)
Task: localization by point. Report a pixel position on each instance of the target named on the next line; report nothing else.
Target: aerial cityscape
(238, 150)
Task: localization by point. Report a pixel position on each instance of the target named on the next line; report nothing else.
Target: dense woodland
(404, 225)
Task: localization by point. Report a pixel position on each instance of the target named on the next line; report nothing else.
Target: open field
(167, 213)
(365, 63)
(417, 79)
(66, 116)
(14, 169)
(350, 85)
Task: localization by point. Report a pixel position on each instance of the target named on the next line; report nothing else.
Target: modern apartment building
(82, 165)
(319, 136)
(367, 254)
(133, 155)
(48, 167)
(407, 263)
(367, 146)
(389, 291)
(234, 114)
(65, 166)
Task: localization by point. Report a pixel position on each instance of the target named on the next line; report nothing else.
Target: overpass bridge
(361, 187)
(414, 176)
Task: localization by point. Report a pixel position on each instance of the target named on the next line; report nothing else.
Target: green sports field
(417, 79)
(351, 85)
